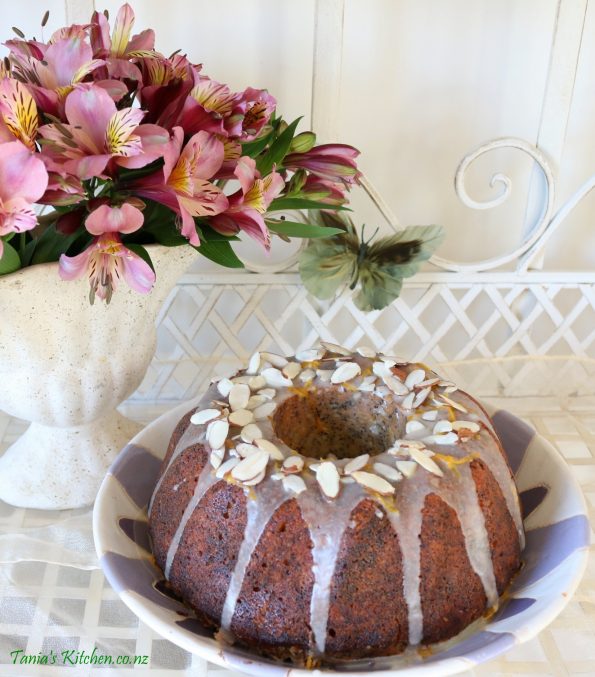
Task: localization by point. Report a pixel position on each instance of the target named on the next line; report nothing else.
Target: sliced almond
(269, 393)
(425, 462)
(442, 426)
(347, 479)
(471, 426)
(216, 457)
(356, 464)
(373, 482)
(251, 432)
(275, 378)
(420, 397)
(450, 389)
(293, 464)
(381, 369)
(224, 386)
(335, 348)
(324, 374)
(428, 382)
(406, 467)
(314, 467)
(387, 471)
(407, 402)
(292, 369)
(239, 396)
(366, 387)
(415, 427)
(307, 375)
(241, 417)
(365, 351)
(309, 355)
(394, 384)
(453, 404)
(443, 383)
(328, 478)
(254, 364)
(251, 466)
(204, 416)
(272, 449)
(255, 480)
(244, 449)
(394, 359)
(431, 415)
(217, 433)
(257, 382)
(255, 401)
(276, 360)
(346, 372)
(277, 476)
(414, 378)
(294, 483)
(264, 410)
(226, 467)
(445, 438)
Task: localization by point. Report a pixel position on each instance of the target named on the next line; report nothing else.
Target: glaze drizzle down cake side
(337, 503)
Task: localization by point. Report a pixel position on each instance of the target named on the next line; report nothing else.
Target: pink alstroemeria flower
(107, 260)
(207, 107)
(18, 113)
(120, 44)
(183, 184)
(251, 114)
(332, 161)
(328, 192)
(23, 180)
(247, 205)
(97, 132)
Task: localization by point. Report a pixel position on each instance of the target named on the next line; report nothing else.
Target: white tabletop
(54, 598)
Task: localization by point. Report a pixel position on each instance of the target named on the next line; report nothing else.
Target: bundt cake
(336, 504)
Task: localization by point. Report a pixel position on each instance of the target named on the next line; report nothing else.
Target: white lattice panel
(438, 318)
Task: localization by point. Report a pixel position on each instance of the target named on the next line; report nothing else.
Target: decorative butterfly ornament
(377, 267)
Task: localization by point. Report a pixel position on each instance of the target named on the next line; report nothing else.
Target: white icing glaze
(328, 520)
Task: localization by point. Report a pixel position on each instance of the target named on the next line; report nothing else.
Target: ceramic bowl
(555, 557)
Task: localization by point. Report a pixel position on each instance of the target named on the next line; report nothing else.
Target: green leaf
(254, 148)
(296, 229)
(51, 245)
(285, 203)
(207, 233)
(139, 250)
(126, 175)
(278, 149)
(10, 260)
(220, 252)
(27, 253)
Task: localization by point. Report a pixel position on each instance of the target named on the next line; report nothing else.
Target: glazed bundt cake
(336, 504)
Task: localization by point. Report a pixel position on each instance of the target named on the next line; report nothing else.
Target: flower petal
(73, 267)
(205, 153)
(65, 57)
(154, 140)
(22, 174)
(122, 29)
(108, 219)
(19, 111)
(119, 139)
(245, 172)
(137, 273)
(91, 108)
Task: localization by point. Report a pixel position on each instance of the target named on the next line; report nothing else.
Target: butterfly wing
(327, 264)
(391, 259)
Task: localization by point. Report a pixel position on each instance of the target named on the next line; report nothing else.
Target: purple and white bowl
(555, 557)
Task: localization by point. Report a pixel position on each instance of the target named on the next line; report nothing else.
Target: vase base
(60, 468)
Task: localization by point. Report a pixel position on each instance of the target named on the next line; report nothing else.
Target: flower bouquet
(128, 147)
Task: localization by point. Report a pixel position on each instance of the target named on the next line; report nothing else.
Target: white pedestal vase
(65, 366)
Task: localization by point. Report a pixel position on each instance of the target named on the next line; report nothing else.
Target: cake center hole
(344, 424)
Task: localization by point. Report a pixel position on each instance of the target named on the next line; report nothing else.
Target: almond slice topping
(268, 393)
(292, 369)
(276, 360)
(255, 401)
(431, 415)
(216, 457)
(293, 464)
(324, 374)
(397, 386)
(346, 372)
(356, 464)
(256, 480)
(425, 462)
(373, 482)
(251, 466)
(224, 386)
(254, 364)
(445, 438)
(309, 355)
(264, 410)
(307, 375)
(406, 467)
(366, 351)
(241, 417)
(420, 397)
(275, 378)
(239, 396)
(294, 483)
(244, 449)
(415, 427)
(471, 426)
(250, 432)
(415, 377)
(223, 469)
(442, 426)
(257, 382)
(204, 416)
(268, 446)
(453, 404)
(381, 369)
(335, 348)
(388, 472)
(328, 478)
(217, 433)
(407, 402)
